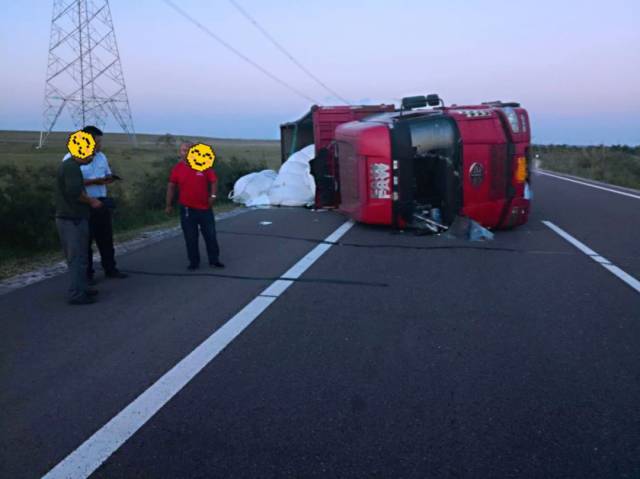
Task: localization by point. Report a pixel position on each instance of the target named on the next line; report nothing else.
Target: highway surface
(384, 354)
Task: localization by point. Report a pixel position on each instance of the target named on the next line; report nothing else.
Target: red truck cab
(318, 127)
(392, 167)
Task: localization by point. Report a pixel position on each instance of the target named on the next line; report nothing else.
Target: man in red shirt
(196, 196)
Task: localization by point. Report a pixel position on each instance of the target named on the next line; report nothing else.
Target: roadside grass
(618, 165)
(16, 261)
(28, 237)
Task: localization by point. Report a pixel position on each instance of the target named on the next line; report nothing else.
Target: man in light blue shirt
(98, 171)
(97, 175)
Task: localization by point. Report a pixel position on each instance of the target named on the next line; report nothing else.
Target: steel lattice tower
(84, 73)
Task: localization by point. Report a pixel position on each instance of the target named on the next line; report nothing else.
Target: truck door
(426, 151)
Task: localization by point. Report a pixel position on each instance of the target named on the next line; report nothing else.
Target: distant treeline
(617, 164)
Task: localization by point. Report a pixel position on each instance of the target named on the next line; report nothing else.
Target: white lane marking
(276, 288)
(94, 451)
(601, 260)
(280, 286)
(339, 233)
(584, 183)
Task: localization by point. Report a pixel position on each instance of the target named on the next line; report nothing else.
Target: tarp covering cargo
(293, 185)
(253, 189)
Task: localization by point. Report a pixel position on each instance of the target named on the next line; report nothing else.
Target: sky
(575, 65)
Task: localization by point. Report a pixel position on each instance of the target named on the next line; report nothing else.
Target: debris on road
(428, 220)
(466, 228)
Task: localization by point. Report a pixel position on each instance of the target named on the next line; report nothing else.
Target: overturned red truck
(382, 165)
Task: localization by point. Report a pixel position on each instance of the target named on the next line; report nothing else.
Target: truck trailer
(388, 166)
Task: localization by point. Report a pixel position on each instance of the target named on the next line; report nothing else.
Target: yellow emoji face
(81, 145)
(200, 157)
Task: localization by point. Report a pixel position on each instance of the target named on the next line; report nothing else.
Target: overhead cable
(239, 53)
(286, 52)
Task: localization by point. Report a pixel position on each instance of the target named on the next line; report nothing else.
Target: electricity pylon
(84, 73)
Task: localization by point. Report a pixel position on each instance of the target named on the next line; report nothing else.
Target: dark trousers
(101, 230)
(192, 219)
(73, 237)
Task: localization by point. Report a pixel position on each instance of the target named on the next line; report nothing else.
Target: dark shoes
(116, 274)
(91, 292)
(214, 264)
(86, 299)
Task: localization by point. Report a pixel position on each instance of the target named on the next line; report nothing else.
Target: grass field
(27, 180)
(19, 148)
(617, 165)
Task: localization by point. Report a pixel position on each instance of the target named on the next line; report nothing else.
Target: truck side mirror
(434, 100)
(410, 102)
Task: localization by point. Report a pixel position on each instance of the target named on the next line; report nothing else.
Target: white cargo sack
(294, 185)
(252, 189)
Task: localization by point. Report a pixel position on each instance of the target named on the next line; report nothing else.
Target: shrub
(618, 165)
(27, 200)
(167, 140)
(27, 207)
(229, 171)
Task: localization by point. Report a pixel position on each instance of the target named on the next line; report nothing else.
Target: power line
(238, 53)
(285, 52)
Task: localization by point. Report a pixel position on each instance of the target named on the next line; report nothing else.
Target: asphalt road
(517, 359)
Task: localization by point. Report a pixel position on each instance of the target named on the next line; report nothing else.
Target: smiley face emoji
(81, 145)
(200, 157)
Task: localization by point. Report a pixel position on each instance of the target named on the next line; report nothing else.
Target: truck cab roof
(392, 116)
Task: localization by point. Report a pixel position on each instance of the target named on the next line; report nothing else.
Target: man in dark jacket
(97, 175)
(72, 221)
